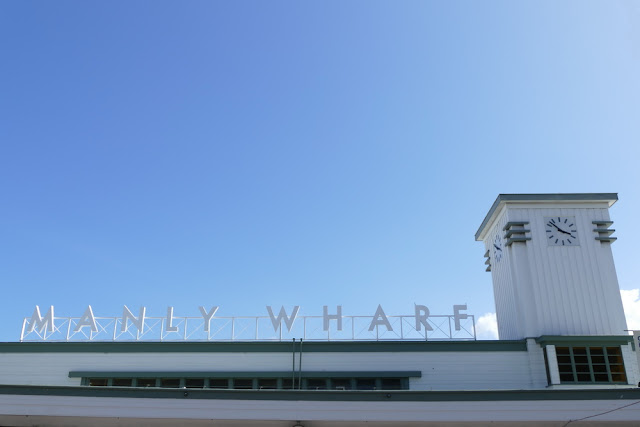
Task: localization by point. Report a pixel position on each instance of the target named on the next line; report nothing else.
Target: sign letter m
(39, 323)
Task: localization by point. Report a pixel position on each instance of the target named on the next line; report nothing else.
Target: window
(243, 383)
(365, 384)
(194, 382)
(99, 382)
(146, 382)
(170, 382)
(590, 365)
(287, 383)
(341, 383)
(391, 384)
(219, 383)
(278, 380)
(122, 382)
(316, 384)
(267, 383)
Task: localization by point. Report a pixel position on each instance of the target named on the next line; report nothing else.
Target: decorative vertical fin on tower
(515, 231)
(488, 260)
(604, 232)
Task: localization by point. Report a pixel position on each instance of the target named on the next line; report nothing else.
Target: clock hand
(560, 229)
(496, 246)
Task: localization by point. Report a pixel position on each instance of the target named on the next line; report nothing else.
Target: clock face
(497, 248)
(561, 231)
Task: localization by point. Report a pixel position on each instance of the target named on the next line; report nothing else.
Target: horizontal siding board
(440, 370)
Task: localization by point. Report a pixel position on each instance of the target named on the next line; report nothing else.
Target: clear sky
(253, 153)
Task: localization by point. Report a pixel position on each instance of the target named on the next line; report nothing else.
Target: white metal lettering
(380, 319)
(87, 319)
(422, 314)
(331, 325)
(138, 322)
(457, 315)
(170, 326)
(39, 323)
(326, 317)
(288, 320)
(207, 316)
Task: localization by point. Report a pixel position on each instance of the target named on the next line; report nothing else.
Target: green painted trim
(328, 395)
(608, 231)
(607, 239)
(510, 224)
(512, 232)
(611, 198)
(244, 374)
(596, 340)
(487, 262)
(603, 222)
(260, 347)
(513, 240)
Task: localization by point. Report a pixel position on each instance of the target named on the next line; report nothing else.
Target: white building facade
(563, 354)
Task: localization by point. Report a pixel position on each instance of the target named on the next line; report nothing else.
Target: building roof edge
(610, 198)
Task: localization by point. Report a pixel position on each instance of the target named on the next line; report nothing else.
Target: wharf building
(564, 356)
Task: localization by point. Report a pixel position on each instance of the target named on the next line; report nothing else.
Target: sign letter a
(87, 319)
(380, 319)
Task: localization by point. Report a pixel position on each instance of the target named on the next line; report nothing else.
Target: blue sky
(251, 153)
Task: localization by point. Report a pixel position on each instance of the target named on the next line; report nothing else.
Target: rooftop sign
(332, 325)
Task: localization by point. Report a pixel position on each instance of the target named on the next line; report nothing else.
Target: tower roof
(502, 199)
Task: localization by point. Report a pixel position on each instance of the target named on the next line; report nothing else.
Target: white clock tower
(551, 263)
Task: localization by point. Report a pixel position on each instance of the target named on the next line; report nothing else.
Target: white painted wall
(504, 293)
(65, 410)
(631, 364)
(554, 290)
(440, 370)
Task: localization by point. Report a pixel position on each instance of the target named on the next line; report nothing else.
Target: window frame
(214, 380)
(575, 367)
